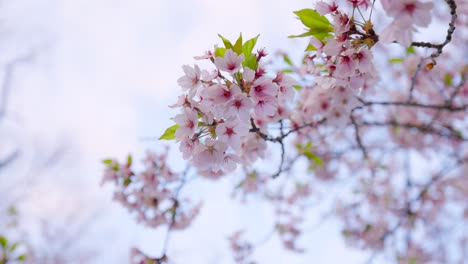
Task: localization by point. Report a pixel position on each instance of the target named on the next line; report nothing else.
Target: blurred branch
(452, 134)
(9, 159)
(451, 29)
(7, 79)
(444, 107)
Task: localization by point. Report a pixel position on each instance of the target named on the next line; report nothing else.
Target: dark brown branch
(279, 139)
(444, 107)
(449, 101)
(357, 134)
(452, 134)
(408, 211)
(451, 29)
(280, 169)
(175, 208)
(413, 79)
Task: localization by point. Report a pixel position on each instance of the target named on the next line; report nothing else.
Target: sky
(98, 86)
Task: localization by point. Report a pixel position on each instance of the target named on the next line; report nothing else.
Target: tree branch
(451, 29)
(7, 78)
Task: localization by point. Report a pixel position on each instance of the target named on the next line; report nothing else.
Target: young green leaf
(448, 79)
(129, 160)
(169, 134)
(21, 258)
(297, 87)
(127, 181)
(248, 46)
(219, 52)
(319, 35)
(251, 62)
(226, 42)
(107, 161)
(287, 60)
(396, 60)
(3, 241)
(237, 48)
(313, 20)
(310, 47)
(14, 246)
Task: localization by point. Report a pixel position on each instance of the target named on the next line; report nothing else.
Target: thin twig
(413, 80)
(451, 29)
(357, 134)
(7, 79)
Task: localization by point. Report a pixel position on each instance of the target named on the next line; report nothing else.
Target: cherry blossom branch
(413, 80)
(408, 209)
(445, 107)
(7, 79)
(13, 156)
(449, 101)
(280, 169)
(453, 134)
(163, 257)
(357, 134)
(279, 139)
(451, 29)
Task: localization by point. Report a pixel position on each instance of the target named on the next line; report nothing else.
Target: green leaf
(251, 62)
(226, 42)
(129, 160)
(396, 60)
(219, 52)
(127, 181)
(21, 257)
(413, 260)
(3, 241)
(237, 48)
(297, 87)
(310, 47)
(410, 50)
(305, 34)
(107, 161)
(313, 20)
(318, 25)
(287, 60)
(287, 71)
(248, 46)
(14, 246)
(169, 134)
(319, 35)
(312, 157)
(12, 211)
(307, 152)
(448, 79)
(346, 233)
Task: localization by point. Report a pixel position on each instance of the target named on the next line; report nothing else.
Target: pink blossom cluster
(241, 248)
(406, 14)
(343, 68)
(152, 194)
(219, 108)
